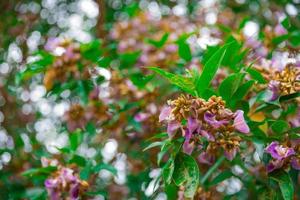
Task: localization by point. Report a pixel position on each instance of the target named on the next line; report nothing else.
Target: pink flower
(239, 122)
(279, 152)
(211, 120)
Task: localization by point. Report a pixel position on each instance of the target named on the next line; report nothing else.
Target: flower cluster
(286, 81)
(67, 54)
(78, 116)
(132, 34)
(65, 180)
(205, 119)
(283, 155)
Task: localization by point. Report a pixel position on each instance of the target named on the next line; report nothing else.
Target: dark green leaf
(229, 85)
(160, 43)
(37, 171)
(285, 183)
(243, 90)
(221, 177)
(279, 126)
(79, 160)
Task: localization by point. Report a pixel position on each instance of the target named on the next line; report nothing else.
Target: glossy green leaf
(168, 170)
(210, 68)
(186, 173)
(184, 83)
(256, 75)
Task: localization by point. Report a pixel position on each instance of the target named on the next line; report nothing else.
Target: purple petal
(172, 127)
(280, 30)
(141, 117)
(279, 152)
(165, 113)
(274, 88)
(207, 135)
(295, 162)
(53, 194)
(187, 146)
(74, 191)
(239, 122)
(171, 48)
(230, 154)
(192, 124)
(274, 164)
(211, 120)
(206, 158)
(51, 183)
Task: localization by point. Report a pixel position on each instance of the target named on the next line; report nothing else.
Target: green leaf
(105, 166)
(230, 85)
(75, 139)
(37, 171)
(221, 177)
(186, 173)
(285, 183)
(140, 80)
(35, 67)
(279, 126)
(128, 60)
(210, 68)
(289, 97)
(168, 170)
(154, 144)
(184, 83)
(243, 90)
(92, 51)
(212, 169)
(256, 75)
(79, 160)
(160, 43)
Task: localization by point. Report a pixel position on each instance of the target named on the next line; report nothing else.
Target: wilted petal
(206, 158)
(230, 154)
(187, 146)
(295, 162)
(239, 122)
(172, 127)
(211, 120)
(165, 113)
